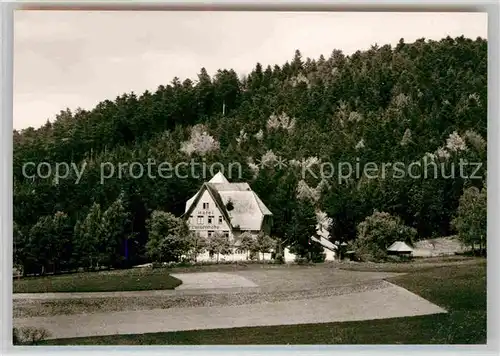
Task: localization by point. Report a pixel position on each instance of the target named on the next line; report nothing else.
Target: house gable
(205, 194)
(248, 212)
(202, 209)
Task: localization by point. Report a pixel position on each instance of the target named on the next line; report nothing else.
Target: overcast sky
(76, 59)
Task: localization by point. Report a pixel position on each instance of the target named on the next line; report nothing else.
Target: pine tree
(115, 222)
(88, 237)
(301, 227)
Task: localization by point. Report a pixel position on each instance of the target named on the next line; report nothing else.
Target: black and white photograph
(249, 178)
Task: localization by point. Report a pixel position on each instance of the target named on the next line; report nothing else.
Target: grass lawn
(459, 288)
(104, 281)
(417, 264)
(134, 279)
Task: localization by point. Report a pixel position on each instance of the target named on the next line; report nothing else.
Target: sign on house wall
(206, 227)
(201, 210)
(205, 212)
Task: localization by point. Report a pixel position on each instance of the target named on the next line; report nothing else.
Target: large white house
(232, 209)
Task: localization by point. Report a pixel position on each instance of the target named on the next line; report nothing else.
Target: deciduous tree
(168, 237)
(470, 221)
(218, 244)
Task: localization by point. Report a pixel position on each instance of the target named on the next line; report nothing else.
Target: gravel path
(32, 307)
(207, 289)
(234, 282)
(388, 302)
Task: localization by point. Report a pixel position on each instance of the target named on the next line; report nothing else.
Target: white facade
(229, 209)
(236, 256)
(330, 255)
(206, 218)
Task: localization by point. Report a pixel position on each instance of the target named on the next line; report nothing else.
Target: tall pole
(223, 108)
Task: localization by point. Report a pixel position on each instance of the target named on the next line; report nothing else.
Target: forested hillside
(401, 104)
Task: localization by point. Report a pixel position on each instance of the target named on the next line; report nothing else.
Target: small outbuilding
(329, 249)
(399, 248)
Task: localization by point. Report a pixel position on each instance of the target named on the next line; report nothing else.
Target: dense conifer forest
(288, 125)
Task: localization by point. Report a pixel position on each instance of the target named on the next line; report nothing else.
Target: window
(226, 234)
(211, 219)
(205, 205)
(210, 233)
(200, 219)
(220, 220)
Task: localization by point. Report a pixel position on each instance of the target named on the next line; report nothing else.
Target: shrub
(318, 257)
(253, 256)
(16, 339)
(368, 252)
(28, 335)
(398, 258)
(156, 265)
(279, 259)
(316, 252)
(301, 260)
(264, 243)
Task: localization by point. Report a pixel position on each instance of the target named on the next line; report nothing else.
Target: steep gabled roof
(191, 203)
(218, 178)
(263, 208)
(230, 187)
(399, 246)
(220, 204)
(248, 209)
